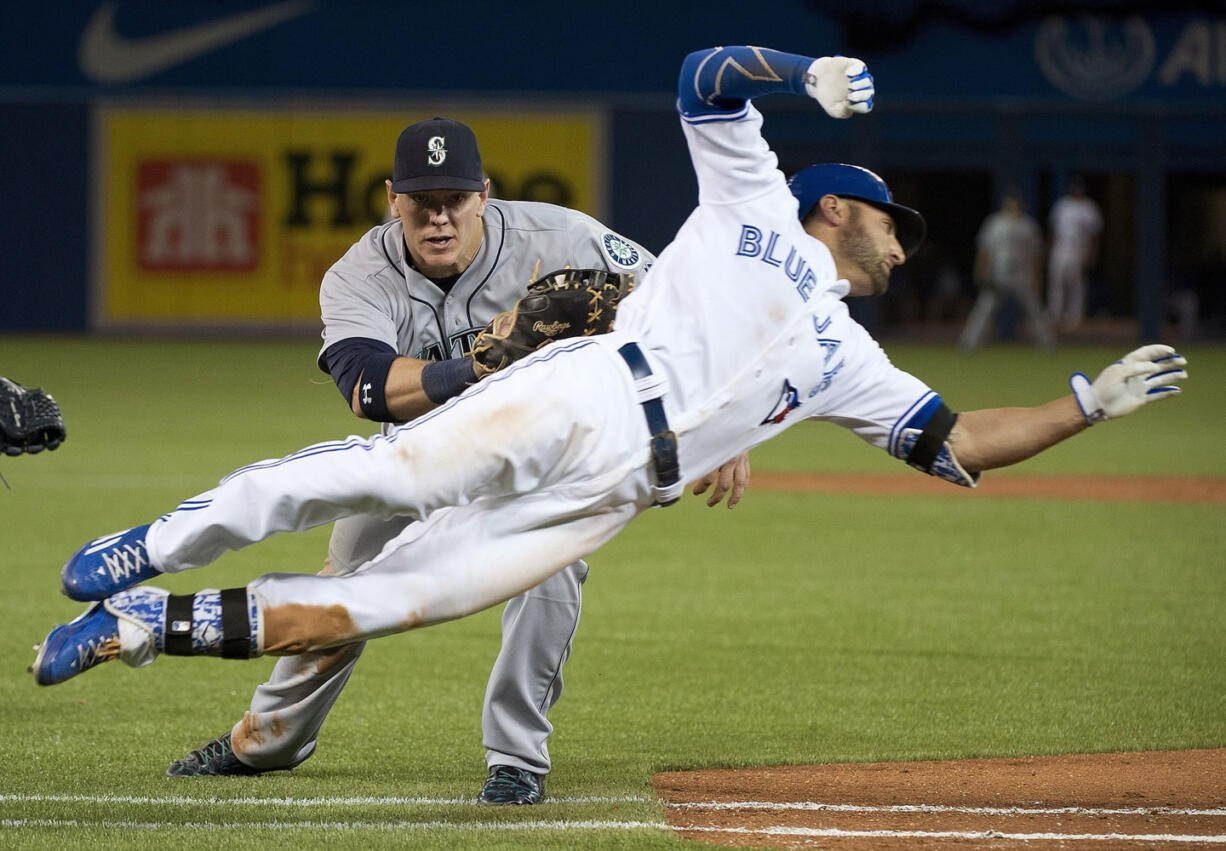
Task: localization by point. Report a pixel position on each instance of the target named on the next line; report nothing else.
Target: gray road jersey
(373, 292)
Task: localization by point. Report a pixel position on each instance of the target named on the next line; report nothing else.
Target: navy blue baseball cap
(437, 154)
(852, 181)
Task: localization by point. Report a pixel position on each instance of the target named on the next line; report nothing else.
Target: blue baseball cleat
(108, 565)
(75, 647)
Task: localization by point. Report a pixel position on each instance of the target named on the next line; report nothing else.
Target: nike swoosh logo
(107, 57)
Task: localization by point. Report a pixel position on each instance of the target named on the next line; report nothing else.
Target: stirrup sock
(207, 623)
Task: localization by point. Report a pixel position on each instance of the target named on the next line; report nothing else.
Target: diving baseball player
(738, 332)
(400, 310)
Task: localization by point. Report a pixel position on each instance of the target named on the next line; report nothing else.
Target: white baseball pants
(518, 477)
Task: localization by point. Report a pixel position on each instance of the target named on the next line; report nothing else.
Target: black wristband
(440, 380)
(932, 439)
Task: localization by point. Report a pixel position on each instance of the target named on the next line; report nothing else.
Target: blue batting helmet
(852, 181)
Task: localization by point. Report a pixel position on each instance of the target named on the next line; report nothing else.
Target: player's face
(442, 227)
(869, 249)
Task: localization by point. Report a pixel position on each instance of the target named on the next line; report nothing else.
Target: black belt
(663, 441)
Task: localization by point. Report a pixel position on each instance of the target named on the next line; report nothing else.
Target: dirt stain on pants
(249, 734)
(297, 627)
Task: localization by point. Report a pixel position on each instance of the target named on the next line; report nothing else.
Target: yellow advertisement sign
(230, 217)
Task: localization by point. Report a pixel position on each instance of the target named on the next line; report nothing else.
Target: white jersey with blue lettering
(743, 313)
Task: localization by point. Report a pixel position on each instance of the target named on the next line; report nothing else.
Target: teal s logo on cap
(440, 153)
(436, 151)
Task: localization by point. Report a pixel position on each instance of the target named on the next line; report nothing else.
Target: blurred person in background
(1008, 266)
(1075, 223)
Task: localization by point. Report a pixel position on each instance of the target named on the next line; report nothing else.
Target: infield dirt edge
(1124, 794)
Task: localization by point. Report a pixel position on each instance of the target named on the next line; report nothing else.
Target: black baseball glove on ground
(30, 420)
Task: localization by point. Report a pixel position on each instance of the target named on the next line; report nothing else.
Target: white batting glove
(1141, 376)
(842, 85)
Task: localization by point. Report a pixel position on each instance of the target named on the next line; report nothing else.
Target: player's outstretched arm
(383, 386)
(998, 437)
(721, 79)
(415, 386)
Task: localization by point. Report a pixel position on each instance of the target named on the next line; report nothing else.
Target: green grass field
(795, 629)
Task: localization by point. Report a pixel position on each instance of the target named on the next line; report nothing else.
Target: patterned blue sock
(147, 606)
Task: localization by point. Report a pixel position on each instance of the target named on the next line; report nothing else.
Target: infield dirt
(1161, 799)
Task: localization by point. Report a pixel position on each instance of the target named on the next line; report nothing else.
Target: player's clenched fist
(842, 85)
(1143, 375)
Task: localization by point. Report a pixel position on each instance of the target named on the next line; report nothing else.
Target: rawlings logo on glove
(30, 420)
(552, 329)
(566, 303)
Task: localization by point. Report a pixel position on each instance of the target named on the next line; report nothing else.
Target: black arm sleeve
(347, 359)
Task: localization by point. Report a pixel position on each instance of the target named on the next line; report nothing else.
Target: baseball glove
(566, 303)
(30, 420)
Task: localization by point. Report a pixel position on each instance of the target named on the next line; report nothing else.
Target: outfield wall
(209, 188)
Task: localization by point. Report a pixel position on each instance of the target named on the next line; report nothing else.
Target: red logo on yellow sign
(198, 215)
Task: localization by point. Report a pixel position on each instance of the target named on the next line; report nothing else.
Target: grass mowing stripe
(995, 835)
(301, 802)
(939, 808)
(337, 825)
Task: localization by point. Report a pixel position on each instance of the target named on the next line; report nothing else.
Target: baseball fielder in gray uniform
(400, 311)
